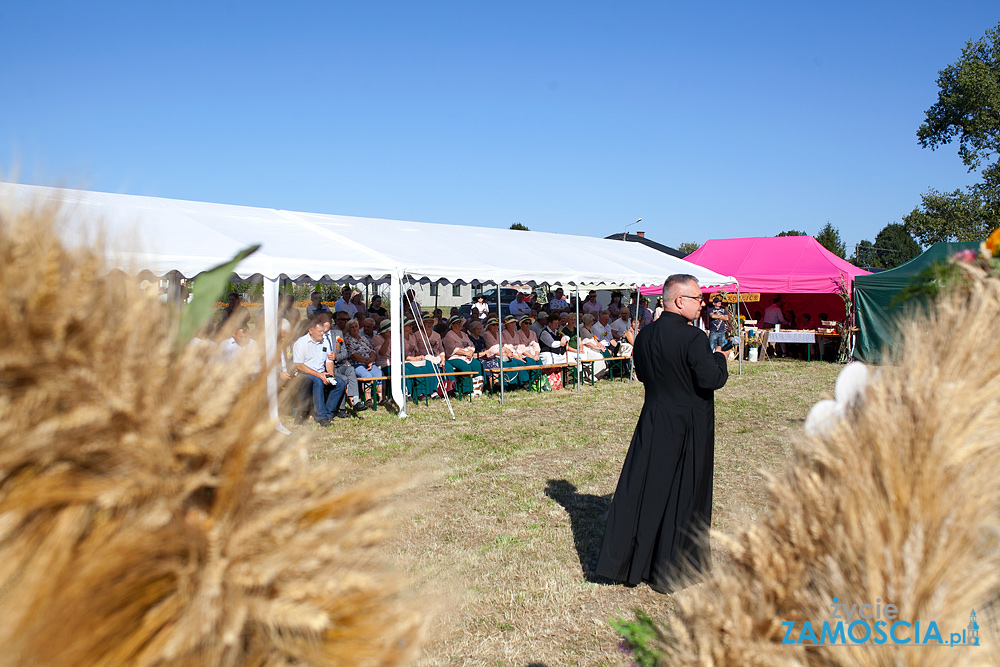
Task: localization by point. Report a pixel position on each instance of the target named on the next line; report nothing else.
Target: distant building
(640, 237)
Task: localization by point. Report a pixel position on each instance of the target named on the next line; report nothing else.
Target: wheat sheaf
(149, 513)
(897, 501)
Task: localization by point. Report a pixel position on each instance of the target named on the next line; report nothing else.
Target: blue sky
(707, 120)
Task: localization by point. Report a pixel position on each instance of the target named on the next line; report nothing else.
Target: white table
(791, 337)
(808, 337)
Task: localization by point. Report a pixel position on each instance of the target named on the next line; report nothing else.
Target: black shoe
(359, 406)
(341, 414)
(662, 590)
(326, 422)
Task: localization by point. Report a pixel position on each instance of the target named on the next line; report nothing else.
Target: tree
(894, 246)
(687, 247)
(865, 256)
(829, 238)
(967, 110)
(792, 232)
(518, 226)
(951, 216)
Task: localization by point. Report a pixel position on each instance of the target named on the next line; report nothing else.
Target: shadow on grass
(587, 514)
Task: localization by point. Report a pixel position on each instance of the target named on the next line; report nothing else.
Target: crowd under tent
(185, 238)
(879, 312)
(803, 272)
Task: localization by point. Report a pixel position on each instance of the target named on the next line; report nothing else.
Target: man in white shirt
(309, 354)
(621, 329)
(602, 330)
(344, 304)
(519, 306)
(238, 344)
(773, 316)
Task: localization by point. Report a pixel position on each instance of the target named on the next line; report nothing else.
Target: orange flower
(992, 243)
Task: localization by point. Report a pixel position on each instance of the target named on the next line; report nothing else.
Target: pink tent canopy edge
(774, 264)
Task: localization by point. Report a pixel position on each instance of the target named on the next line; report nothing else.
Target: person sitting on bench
(552, 343)
(309, 354)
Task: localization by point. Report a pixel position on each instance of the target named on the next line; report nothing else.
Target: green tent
(877, 319)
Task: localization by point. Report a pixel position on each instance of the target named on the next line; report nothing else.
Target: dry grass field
(500, 531)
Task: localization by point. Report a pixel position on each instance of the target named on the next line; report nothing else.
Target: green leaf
(207, 289)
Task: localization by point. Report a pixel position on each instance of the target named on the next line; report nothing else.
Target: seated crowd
(336, 347)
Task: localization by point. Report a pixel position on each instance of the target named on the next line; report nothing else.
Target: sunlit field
(501, 531)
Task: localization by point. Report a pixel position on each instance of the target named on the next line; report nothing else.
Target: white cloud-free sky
(707, 120)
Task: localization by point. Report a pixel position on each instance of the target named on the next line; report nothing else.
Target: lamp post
(625, 235)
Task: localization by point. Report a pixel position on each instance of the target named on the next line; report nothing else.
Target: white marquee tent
(165, 235)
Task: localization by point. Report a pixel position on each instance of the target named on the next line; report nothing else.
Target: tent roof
(191, 237)
(784, 264)
(900, 277)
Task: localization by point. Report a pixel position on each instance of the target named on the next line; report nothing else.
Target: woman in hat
(527, 345)
(417, 362)
(512, 356)
(480, 309)
(490, 358)
(460, 353)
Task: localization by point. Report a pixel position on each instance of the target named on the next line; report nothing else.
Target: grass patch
(511, 511)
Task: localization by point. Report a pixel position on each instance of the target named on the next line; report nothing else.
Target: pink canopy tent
(787, 265)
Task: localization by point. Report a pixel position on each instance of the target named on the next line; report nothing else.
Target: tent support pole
(739, 328)
(397, 367)
(500, 339)
(579, 339)
(271, 349)
(635, 326)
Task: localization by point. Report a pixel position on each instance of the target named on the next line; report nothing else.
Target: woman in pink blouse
(460, 353)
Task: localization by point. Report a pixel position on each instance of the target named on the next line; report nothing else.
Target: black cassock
(662, 507)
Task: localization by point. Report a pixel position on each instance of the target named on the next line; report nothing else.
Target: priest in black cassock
(658, 523)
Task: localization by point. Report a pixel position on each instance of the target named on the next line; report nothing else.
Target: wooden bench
(611, 367)
(535, 367)
(367, 388)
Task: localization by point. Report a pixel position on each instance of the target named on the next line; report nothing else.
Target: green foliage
(688, 247)
(791, 232)
(968, 105)
(829, 238)
(331, 291)
(951, 216)
(206, 291)
(865, 255)
(893, 246)
(518, 226)
(639, 638)
(967, 111)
